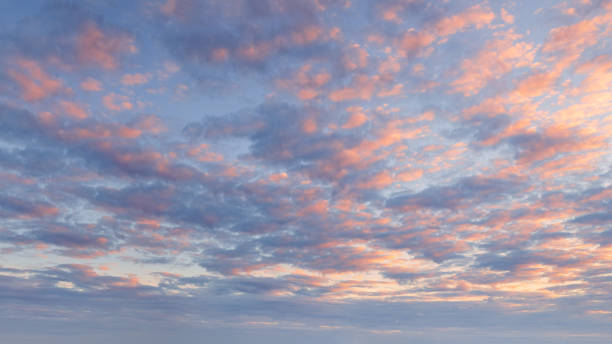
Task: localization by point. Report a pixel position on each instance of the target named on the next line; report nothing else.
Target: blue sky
(321, 170)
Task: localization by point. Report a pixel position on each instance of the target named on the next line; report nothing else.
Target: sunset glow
(302, 171)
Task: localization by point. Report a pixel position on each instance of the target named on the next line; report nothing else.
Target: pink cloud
(305, 83)
(256, 51)
(116, 102)
(497, 58)
(97, 47)
(35, 83)
(412, 43)
(134, 79)
(362, 87)
(389, 66)
(309, 125)
(565, 140)
(91, 84)
(73, 109)
(307, 93)
(150, 123)
(128, 133)
(536, 84)
(394, 91)
(357, 119)
(572, 38)
(506, 16)
(220, 54)
(355, 58)
(598, 75)
(378, 181)
(307, 35)
(203, 153)
(476, 16)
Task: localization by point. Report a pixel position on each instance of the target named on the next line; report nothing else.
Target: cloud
(93, 46)
(134, 79)
(117, 102)
(594, 218)
(91, 84)
(476, 16)
(475, 189)
(73, 109)
(15, 207)
(277, 30)
(551, 141)
(35, 83)
(314, 170)
(412, 43)
(498, 57)
(70, 35)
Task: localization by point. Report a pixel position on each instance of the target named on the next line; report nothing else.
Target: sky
(331, 171)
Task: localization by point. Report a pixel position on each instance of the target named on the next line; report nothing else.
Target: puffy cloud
(312, 170)
(91, 84)
(15, 207)
(472, 189)
(134, 79)
(35, 83)
(476, 16)
(93, 46)
(412, 43)
(277, 29)
(70, 36)
(498, 57)
(73, 109)
(117, 102)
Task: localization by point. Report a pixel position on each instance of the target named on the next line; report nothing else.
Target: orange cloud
(560, 139)
(476, 16)
(356, 119)
(536, 84)
(507, 17)
(409, 175)
(598, 75)
(497, 58)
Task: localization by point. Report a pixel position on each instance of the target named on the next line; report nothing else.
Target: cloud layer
(338, 171)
